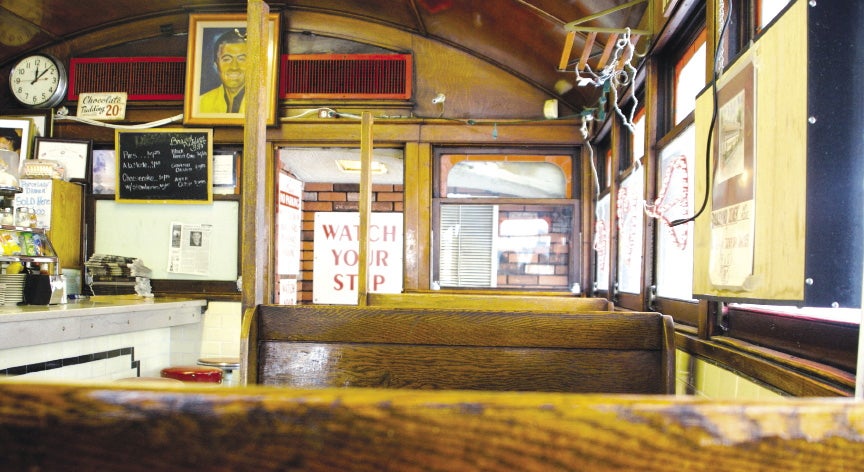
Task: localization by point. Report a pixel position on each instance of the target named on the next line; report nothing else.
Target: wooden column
(365, 208)
(255, 226)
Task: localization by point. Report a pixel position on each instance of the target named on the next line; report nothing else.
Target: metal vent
(364, 76)
(142, 78)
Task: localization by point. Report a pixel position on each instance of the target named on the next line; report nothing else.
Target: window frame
(793, 354)
(575, 202)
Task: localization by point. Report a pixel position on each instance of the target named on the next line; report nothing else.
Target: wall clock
(38, 81)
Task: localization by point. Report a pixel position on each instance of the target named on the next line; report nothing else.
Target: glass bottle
(7, 219)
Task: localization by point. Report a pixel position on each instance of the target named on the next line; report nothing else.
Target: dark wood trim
(211, 290)
(830, 343)
(682, 311)
(784, 373)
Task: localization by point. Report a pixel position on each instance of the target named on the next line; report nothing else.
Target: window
(674, 253)
(769, 9)
(602, 244)
(689, 78)
(505, 221)
(631, 194)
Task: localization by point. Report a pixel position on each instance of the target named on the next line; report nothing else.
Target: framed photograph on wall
(16, 134)
(43, 121)
(74, 154)
(216, 69)
(104, 172)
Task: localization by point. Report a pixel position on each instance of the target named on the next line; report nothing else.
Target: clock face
(38, 81)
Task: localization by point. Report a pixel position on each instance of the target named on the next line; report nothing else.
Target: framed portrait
(216, 69)
(16, 134)
(43, 122)
(74, 154)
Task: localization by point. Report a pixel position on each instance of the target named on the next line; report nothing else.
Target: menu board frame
(157, 172)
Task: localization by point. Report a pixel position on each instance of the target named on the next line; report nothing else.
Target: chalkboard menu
(164, 165)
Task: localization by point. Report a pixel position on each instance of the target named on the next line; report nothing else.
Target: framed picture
(43, 121)
(16, 134)
(216, 69)
(226, 171)
(74, 154)
(104, 172)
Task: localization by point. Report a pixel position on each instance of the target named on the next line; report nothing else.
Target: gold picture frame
(209, 81)
(21, 130)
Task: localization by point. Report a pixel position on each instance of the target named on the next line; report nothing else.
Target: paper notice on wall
(189, 251)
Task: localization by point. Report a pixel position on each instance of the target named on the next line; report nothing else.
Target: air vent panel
(346, 76)
(142, 78)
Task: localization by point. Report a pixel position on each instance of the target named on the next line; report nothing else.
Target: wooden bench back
(419, 348)
(189, 428)
(482, 301)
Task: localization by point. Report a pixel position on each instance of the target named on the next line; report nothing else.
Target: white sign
(102, 106)
(336, 256)
(289, 225)
(36, 195)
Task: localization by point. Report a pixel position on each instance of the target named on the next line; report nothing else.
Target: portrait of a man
(229, 60)
(217, 69)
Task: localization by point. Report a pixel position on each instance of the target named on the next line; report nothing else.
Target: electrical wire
(715, 74)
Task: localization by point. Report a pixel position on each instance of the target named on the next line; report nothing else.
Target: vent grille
(142, 78)
(357, 76)
(364, 76)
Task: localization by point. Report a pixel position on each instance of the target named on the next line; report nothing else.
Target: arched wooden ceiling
(523, 37)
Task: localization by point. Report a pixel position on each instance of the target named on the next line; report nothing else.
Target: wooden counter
(57, 341)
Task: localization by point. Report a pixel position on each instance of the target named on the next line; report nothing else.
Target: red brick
(318, 206)
(554, 280)
(346, 206)
(317, 187)
(331, 196)
(346, 187)
(390, 197)
(526, 280)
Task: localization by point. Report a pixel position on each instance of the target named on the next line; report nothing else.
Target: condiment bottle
(7, 218)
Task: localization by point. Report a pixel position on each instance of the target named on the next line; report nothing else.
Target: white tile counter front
(101, 338)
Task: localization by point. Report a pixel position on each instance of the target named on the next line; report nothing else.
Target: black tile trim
(69, 361)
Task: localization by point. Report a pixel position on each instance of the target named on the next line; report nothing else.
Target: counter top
(100, 304)
(95, 316)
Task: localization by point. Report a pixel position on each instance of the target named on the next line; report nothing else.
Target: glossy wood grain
(126, 428)
(488, 301)
(449, 348)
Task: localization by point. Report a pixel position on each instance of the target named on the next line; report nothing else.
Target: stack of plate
(13, 288)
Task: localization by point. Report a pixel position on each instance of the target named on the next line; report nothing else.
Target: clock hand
(35, 75)
(39, 76)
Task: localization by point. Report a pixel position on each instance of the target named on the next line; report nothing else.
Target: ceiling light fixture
(353, 167)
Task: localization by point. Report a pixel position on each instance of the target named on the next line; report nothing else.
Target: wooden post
(255, 225)
(365, 208)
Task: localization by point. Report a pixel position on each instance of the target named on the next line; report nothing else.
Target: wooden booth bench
(484, 301)
(125, 428)
(317, 346)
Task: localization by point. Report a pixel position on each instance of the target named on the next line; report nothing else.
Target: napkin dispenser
(43, 289)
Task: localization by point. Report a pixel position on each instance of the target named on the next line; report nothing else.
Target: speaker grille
(142, 78)
(364, 76)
